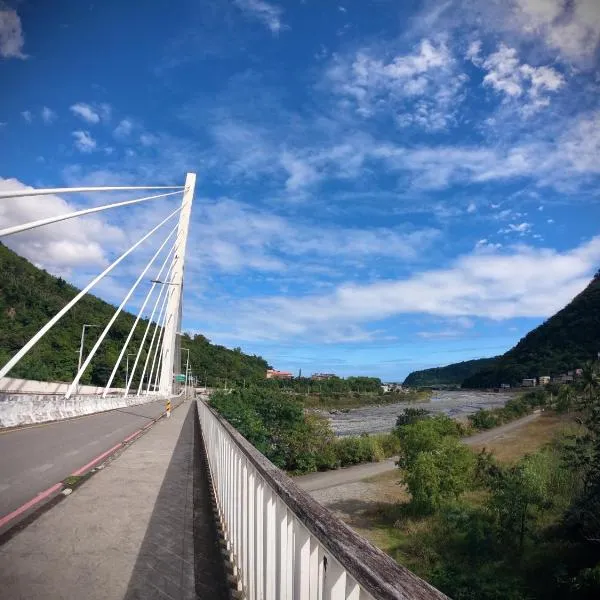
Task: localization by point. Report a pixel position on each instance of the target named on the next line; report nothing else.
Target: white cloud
(59, 247)
(472, 207)
(11, 34)
(233, 236)
(26, 114)
(123, 129)
(92, 113)
(147, 139)
(572, 28)
(48, 115)
(422, 88)
(473, 52)
(268, 14)
(301, 173)
(520, 228)
(514, 80)
(84, 142)
(526, 282)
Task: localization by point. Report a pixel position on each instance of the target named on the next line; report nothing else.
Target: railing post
(301, 562)
(335, 581)
(270, 546)
(282, 554)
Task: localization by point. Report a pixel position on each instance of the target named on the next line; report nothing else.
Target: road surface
(36, 457)
(327, 479)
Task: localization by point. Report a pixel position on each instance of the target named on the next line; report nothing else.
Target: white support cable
(156, 326)
(78, 213)
(131, 331)
(161, 334)
(117, 312)
(138, 354)
(34, 340)
(78, 190)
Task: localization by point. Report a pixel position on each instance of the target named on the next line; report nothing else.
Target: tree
(437, 466)
(589, 380)
(516, 492)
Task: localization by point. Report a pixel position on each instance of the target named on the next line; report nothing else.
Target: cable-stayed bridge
(176, 508)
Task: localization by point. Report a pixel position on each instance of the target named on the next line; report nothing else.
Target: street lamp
(187, 366)
(81, 344)
(163, 282)
(127, 367)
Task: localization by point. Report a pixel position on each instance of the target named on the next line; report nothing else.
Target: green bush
(484, 419)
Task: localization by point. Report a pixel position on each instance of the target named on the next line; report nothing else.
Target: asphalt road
(327, 479)
(36, 457)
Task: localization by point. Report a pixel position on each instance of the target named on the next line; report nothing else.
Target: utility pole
(127, 367)
(81, 344)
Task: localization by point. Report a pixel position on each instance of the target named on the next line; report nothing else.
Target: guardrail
(285, 545)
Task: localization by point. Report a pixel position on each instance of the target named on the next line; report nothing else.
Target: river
(381, 419)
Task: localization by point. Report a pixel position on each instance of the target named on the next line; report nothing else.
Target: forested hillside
(29, 297)
(449, 375)
(565, 341)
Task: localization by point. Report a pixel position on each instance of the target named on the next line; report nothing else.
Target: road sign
(180, 378)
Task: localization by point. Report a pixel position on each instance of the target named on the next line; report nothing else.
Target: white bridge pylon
(164, 346)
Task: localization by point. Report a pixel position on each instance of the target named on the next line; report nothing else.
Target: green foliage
(29, 297)
(564, 342)
(437, 466)
(299, 443)
(513, 409)
(530, 530)
(453, 374)
(411, 415)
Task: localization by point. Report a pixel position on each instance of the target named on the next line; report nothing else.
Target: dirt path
(327, 479)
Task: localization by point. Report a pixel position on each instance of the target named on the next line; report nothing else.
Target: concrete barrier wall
(30, 386)
(26, 409)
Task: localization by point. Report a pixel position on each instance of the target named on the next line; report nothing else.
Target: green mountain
(449, 375)
(564, 342)
(29, 297)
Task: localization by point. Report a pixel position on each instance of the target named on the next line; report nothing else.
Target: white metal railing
(283, 544)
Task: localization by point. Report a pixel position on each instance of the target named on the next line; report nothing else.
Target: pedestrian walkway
(141, 528)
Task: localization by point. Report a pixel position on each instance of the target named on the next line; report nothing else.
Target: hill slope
(449, 375)
(29, 297)
(565, 341)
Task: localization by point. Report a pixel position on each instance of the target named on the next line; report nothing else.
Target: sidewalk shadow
(179, 558)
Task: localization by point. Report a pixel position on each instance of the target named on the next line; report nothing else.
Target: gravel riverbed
(381, 419)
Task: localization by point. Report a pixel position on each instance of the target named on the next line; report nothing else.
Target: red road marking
(130, 437)
(97, 459)
(28, 505)
(42, 495)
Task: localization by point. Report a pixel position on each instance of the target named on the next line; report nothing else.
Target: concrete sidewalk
(140, 528)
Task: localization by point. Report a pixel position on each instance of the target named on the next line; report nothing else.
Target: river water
(381, 419)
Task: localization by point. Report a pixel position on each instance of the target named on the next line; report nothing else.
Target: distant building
(578, 372)
(505, 386)
(529, 382)
(544, 380)
(274, 374)
(322, 376)
(566, 378)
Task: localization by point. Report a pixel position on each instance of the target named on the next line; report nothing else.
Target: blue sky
(382, 186)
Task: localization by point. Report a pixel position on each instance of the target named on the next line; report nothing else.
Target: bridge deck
(140, 528)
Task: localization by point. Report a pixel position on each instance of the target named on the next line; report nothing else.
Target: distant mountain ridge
(562, 343)
(29, 297)
(453, 374)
